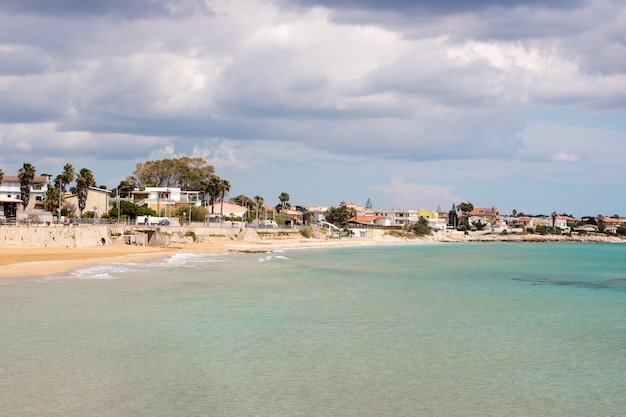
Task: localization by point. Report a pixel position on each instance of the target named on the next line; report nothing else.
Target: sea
(432, 329)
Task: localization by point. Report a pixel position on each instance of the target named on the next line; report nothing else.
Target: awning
(5, 199)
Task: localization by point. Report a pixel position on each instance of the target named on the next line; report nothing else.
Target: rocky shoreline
(527, 237)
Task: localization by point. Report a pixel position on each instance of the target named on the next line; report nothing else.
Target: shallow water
(499, 329)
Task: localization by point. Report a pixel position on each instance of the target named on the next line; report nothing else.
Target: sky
(517, 104)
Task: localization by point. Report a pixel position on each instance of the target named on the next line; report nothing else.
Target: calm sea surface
(500, 329)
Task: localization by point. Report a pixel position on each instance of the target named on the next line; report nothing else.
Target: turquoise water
(499, 329)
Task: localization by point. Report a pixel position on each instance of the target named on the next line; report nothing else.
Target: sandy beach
(24, 263)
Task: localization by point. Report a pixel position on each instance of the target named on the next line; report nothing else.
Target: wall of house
(97, 199)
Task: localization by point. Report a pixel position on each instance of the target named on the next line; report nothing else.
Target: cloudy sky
(519, 104)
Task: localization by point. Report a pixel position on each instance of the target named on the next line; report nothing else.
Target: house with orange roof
(486, 216)
(371, 221)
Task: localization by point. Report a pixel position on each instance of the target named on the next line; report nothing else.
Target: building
(317, 213)
(227, 210)
(486, 216)
(369, 221)
(398, 217)
(97, 201)
(10, 188)
(164, 200)
(8, 208)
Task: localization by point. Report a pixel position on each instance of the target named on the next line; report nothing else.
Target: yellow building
(427, 214)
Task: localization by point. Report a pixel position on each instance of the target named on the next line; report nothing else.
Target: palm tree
(26, 175)
(259, 202)
(65, 178)
(224, 189)
(284, 199)
(601, 223)
(213, 189)
(1, 174)
(84, 180)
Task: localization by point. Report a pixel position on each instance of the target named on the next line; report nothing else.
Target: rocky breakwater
(534, 238)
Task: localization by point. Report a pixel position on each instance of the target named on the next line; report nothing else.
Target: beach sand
(25, 263)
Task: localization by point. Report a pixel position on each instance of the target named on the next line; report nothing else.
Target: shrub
(191, 234)
(306, 232)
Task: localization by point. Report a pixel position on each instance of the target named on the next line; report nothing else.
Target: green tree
(284, 200)
(339, 216)
(212, 188)
(453, 217)
(125, 187)
(84, 180)
(553, 215)
(1, 174)
(601, 223)
(62, 180)
(26, 175)
(131, 210)
(421, 228)
(185, 172)
(259, 201)
(52, 199)
(466, 208)
(224, 189)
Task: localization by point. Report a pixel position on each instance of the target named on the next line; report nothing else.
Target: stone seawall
(53, 236)
(74, 236)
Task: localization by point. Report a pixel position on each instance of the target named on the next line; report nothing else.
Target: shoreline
(19, 264)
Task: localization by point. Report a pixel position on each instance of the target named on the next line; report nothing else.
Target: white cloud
(403, 195)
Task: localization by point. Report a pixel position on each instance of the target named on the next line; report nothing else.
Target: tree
(453, 217)
(601, 223)
(284, 200)
(421, 228)
(52, 199)
(1, 174)
(26, 175)
(212, 187)
(84, 180)
(553, 215)
(514, 213)
(125, 186)
(466, 208)
(64, 179)
(339, 216)
(131, 210)
(259, 203)
(186, 173)
(67, 176)
(224, 189)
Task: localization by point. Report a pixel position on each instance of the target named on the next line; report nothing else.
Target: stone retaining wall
(74, 236)
(53, 236)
